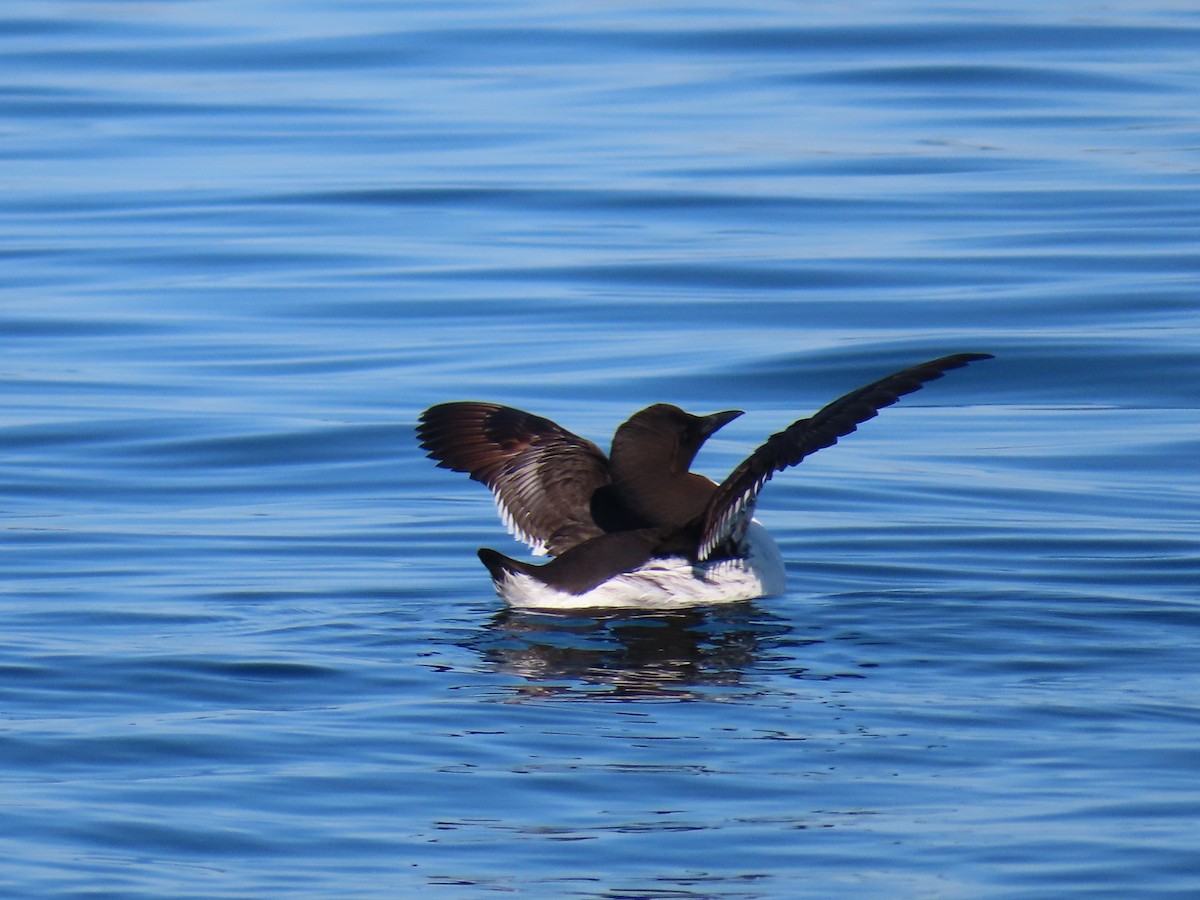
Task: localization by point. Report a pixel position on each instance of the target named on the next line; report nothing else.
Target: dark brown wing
(733, 503)
(542, 476)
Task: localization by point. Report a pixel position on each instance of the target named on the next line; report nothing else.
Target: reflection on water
(632, 655)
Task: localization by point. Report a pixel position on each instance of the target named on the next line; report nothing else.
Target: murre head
(651, 455)
(664, 437)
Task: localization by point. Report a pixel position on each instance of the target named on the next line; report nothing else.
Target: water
(245, 645)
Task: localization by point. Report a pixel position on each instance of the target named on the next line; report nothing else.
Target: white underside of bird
(672, 582)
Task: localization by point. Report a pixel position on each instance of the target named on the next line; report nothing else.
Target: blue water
(246, 649)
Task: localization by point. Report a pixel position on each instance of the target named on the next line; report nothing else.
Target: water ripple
(245, 645)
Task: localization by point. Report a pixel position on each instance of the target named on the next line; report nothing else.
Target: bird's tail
(500, 566)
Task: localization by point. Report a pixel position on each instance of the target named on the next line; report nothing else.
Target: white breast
(671, 583)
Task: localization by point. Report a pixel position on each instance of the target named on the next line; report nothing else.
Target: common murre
(637, 528)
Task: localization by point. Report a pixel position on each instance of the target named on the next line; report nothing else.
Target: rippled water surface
(245, 646)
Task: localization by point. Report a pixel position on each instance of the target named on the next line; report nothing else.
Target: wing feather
(541, 475)
(733, 502)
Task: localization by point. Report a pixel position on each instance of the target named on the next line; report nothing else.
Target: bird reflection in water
(698, 653)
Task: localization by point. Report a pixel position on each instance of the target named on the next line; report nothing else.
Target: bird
(637, 528)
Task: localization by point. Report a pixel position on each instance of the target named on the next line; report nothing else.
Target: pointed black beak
(711, 424)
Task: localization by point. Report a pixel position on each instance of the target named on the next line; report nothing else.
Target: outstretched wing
(541, 475)
(733, 503)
